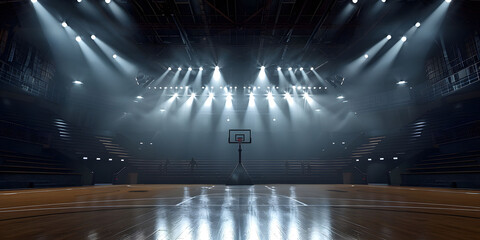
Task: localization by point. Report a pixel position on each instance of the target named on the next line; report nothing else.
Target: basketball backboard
(239, 136)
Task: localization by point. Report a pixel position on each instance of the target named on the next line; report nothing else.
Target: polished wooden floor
(240, 212)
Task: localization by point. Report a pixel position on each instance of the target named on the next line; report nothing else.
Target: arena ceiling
(324, 34)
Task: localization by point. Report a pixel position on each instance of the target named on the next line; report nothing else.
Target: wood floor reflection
(240, 212)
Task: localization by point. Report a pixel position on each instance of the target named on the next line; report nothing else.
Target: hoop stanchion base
(239, 176)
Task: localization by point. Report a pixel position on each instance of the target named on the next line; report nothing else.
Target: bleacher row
(39, 170)
(259, 170)
(452, 163)
(37, 143)
(423, 143)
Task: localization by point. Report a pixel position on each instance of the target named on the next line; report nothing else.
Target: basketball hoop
(239, 176)
(240, 136)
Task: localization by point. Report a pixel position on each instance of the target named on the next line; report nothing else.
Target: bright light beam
(251, 99)
(119, 14)
(229, 100)
(353, 68)
(216, 74)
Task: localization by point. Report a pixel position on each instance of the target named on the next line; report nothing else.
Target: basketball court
(240, 212)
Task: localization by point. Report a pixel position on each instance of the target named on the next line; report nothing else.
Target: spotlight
(169, 69)
(201, 69)
(404, 39)
(189, 69)
(274, 119)
(389, 36)
(139, 97)
(290, 69)
(228, 119)
(34, 1)
(311, 69)
(402, 82)
(306, 96)
(384, 1)
(192, 95)
(93, 37)
(211, 95)
(417, 24)
(279, 68)
(340, 97)
(269, 96)
(179, 69)
(78, 39)
(114, 56)
(64, 24)
(77, 82)
(448, 1)
(354, 1)
(216, 73)
(262, 68)
(301, 69)
(365, 56)
(288, 96)
(107, 1)
(79, 1)
(175, 95)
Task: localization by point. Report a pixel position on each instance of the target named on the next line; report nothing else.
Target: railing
(22, 80)
(461, 79)
(465, 74)
(464, 131)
